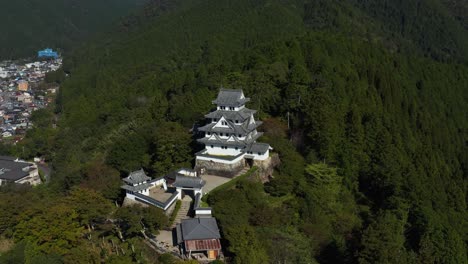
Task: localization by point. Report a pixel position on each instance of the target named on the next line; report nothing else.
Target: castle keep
(230, 136)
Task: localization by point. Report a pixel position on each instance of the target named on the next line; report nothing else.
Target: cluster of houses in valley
(19, 93)
(230, 139)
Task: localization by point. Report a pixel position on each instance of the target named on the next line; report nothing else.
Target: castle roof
(242, 128)
(136, 177)
(257, 148)
(231, 141)
(229, 97)
(240, 115)
(136, 188)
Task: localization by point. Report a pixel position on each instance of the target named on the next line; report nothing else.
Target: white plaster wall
(130, 196)
(203, 212)
(217, 150)
(262, 157)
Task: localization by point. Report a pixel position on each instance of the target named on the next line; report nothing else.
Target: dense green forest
(30, 25)
(374, 161)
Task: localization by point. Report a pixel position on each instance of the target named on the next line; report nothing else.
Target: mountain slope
(374, 160)
(30, 25)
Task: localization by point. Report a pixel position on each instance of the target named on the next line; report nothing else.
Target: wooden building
(199, 238)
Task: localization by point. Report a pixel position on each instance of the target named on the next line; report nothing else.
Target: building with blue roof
(47, 53)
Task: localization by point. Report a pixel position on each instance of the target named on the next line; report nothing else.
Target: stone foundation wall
(266, 167)
(219, 169)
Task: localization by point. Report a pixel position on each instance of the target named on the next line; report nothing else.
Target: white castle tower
(230, 136)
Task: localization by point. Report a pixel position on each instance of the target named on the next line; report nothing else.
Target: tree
(90, 205)
(129, 153)
(245, 245)
(103, 179)
(55, 230)
(383, 240)
(326, 186)
(171, 147)
(135, 219)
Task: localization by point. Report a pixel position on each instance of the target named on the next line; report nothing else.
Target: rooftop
(240, 115)
(11, 170)
(229, 97)
(188, 182)
(257, 147)
(199, 228)
(136, 177)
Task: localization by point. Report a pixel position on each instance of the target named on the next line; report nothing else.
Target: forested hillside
(30, 25)
(374, 162)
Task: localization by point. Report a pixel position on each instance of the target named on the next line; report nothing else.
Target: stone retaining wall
(219, 169)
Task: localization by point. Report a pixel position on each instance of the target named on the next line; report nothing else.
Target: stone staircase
(183, 212)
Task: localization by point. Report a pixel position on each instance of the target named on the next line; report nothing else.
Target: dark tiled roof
(136, 177)
(228, 97)
(219, 140)
(257, 147)
(200, 228)
(11, 170)
(9, 158)
(136, 188)
(240, 115)
(188, 182)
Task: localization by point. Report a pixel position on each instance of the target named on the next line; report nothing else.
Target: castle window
(208, 133)
(224, 123)
(231, 108)
(211, 146)
(259, 154)
(240, 135)
(237, 148)
(221, 134)
(237, 121)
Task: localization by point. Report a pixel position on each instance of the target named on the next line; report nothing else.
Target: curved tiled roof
(228, 97)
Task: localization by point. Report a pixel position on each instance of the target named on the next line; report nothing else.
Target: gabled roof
(136, 177)
(240, 115)
(215, 139)
(229, 97)
(199, 228)
(188, 182)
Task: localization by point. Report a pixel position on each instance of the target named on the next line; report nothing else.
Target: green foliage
(135, 219)
(55, 24)
(175, 211)
(102, 179)
(172, 147)
(383, 241)
(90, 205)
(57, 231)
(245, 245)
(363, 101)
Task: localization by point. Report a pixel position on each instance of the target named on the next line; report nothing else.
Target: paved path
(183, 213)
(213, 182)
